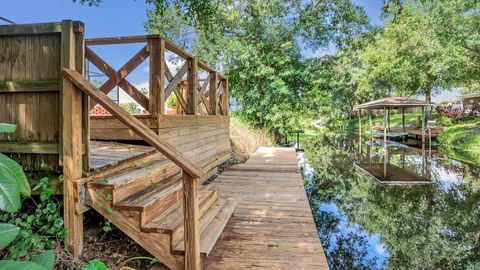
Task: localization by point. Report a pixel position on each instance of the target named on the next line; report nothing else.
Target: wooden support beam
(116, 40)
(173, 84)
(212, 93)
(157, 70)
(37, 28)
(192, 86)
(403, 118)
(191, 222)
(202, 89)
(80, 66)
(29, 86)
(71, 145)
(29, 147)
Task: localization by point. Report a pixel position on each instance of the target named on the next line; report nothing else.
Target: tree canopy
(258, 44)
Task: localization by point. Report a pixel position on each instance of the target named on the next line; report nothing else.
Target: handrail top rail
(169, 45)
(134, 124)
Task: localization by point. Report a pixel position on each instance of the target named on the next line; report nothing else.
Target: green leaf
(7, 128)
(45, 259)
(8, 233)
(9, 192)
(16, 171)
(94, 265)
(13, 265)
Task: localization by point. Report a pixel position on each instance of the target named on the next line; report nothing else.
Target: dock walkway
(273, 227)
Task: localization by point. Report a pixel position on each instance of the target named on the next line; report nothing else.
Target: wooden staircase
(144, 198)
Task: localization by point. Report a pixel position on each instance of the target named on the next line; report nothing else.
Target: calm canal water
(367, 224)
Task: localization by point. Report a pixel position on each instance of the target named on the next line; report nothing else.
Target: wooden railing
(212, 94)
(191, 173)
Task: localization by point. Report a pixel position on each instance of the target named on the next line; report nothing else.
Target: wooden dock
(272, 227)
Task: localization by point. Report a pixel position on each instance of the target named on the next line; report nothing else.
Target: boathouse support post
(423, 125)
(72, 136)
(385, 148)
(403, 119)
(370, 123)
(360, 122)
(385, 120)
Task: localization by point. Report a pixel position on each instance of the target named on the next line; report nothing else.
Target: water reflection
(394, 163)
(364, 224)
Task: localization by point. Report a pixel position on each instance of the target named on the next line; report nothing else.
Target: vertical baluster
(212, 93)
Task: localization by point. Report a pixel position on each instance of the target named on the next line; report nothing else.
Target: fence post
(157, 97)
(212, 93)
(72, 111)
(192, 88)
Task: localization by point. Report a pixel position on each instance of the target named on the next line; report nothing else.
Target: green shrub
(13, 182)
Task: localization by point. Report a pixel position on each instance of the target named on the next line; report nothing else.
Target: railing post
(192, 87)
(212, 93)
(72, 112)
(156, 50)
(191, 222)
(224, 96)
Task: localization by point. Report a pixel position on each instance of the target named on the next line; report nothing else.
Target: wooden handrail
(140, 39)
(136, 125)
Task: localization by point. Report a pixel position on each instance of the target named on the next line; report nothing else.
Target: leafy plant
(172, 100)
(13, 182)
(94, 265)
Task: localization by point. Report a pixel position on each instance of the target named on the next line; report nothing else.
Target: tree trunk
(428, 93)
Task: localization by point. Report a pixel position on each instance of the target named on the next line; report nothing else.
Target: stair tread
(120, 178)
(211, 226)
(172, 218)
(140, 200)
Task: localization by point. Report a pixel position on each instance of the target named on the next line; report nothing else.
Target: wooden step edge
(205, 202)
(205, 205)
(157, 167)
(212, 232)
(96, 180)
(123, 164)
(170, 187)
(204, 220)
(140, 182)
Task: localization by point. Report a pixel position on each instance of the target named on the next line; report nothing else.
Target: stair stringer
(158, 244)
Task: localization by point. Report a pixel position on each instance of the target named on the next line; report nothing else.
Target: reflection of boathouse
(392, 166)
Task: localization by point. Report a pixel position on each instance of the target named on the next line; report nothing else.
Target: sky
(124, 18)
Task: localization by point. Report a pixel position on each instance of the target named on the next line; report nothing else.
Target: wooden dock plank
(273, 226)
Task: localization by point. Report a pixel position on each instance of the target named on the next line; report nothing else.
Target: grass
(461, 141)
(246, 139)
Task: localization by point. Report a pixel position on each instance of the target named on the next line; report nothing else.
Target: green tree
(257, 44)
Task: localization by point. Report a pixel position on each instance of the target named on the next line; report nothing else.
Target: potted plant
(172, 105)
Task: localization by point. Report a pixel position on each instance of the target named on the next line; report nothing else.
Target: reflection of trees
(422, 227)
